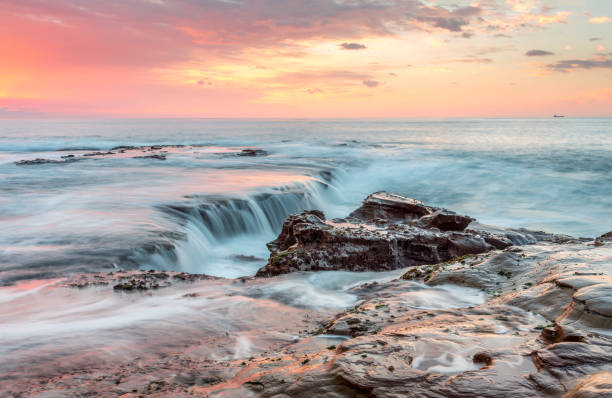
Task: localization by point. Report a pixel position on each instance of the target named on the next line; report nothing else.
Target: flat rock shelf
(458, 309)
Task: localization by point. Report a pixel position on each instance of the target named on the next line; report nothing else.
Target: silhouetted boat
(558, 115)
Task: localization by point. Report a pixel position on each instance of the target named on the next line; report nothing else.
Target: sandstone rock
(482, 357)
(598, 385)
(596, 298)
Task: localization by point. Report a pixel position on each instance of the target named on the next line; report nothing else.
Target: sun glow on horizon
(327, 58)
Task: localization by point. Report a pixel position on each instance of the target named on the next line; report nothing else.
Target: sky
(305, 58)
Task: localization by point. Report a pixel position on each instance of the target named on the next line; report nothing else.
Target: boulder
(390, 206)
(377, 238)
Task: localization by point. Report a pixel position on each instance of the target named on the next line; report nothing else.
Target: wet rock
(124, 148)
(483, 357)
(292, 227)
(157, 156)
(390, 206)
(446, 221)
(134, 280)
(252, 152)
(598, 385)
(39, 161)
(566, 355)
(596, 298)
(309, 242)
(98, 153)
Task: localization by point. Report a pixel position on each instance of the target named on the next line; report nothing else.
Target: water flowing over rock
(474, 311)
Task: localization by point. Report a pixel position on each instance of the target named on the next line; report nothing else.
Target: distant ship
(558, 115)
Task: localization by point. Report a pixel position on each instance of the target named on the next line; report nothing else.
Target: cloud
(473, 60)
(538, 53)
(600, 20)
(171, 32)
(314, 91)
(371, 83)
(578, 64)
(324, 76)
(352, 46)
(594, 38)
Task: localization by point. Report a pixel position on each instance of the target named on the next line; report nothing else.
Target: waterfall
(226, 237)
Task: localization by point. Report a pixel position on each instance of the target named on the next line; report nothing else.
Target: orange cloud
(600, 20)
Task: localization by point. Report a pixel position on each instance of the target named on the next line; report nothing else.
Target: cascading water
(226, 236)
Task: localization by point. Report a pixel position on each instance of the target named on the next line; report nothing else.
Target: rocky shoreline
(536, 320)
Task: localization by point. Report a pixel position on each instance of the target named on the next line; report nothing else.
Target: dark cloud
(538, 53)
(371, 83)
(595, 39)
(467, 35)
(579, 64)
(502, 35)
(353, 46)
(451, 20)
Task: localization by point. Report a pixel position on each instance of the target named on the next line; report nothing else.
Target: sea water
(207, 210)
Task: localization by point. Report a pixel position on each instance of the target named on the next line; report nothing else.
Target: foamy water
(47, 328)
(205, 209)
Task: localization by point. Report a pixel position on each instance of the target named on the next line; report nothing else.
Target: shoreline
(528, 317)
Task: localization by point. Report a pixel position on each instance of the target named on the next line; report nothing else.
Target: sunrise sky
(305, 58)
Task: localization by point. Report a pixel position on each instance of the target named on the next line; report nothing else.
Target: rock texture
(512, 313)
(534, 336)
(387, 232)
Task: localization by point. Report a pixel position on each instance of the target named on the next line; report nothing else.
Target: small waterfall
(226, 236)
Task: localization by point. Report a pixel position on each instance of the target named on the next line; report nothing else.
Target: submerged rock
(158, 157)
(253, 152)
(134, 280)
(519, 322)
(37, 161)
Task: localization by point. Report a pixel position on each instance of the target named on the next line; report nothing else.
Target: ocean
(205, 206)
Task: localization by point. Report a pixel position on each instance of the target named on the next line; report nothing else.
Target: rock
(387, 232)
(598, 385)
(596, 298)
(482, 357)
(446, 221)
(38, 161)
(529, 325)
(606, 237)
(561, 356)
(390, 206)
(158, 157)
(288, 237)
(252, 152)
(134, 280)
(98, 153)
(309, 243)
